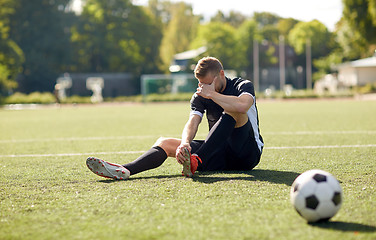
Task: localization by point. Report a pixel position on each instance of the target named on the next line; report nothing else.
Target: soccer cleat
(190, 164)
(106, 169)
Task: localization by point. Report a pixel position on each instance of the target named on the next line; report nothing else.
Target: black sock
(217, 136)
(153, 158)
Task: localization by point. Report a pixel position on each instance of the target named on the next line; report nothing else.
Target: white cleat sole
(187, 164)
(106, 169)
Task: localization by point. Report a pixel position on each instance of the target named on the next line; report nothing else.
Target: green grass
(45, 195)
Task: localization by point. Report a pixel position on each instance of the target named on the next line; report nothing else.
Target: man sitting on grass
(233, 143)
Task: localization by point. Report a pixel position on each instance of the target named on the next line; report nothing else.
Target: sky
(328, 12)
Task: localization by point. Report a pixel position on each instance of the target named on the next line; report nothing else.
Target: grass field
(47, 192)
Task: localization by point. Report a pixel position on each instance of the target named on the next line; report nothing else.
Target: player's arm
(190, 129)
(234, 104)
(189, 132)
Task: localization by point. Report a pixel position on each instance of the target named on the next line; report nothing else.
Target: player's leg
(155, 156)
(243, 152)
(212, 152)
(240, 118)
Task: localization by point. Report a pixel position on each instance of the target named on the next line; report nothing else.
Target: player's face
(217, 78)
(208, 79)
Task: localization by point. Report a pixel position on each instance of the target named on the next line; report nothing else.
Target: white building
(357, 73)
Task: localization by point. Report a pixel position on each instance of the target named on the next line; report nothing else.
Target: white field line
(139, 152)
(318, 147)
(155, 136)
(320, 132)
(77, 139)
(68, 154)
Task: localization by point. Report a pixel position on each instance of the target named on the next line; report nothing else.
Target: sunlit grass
(50, 196)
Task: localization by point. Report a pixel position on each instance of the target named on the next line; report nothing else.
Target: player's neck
(223, 85)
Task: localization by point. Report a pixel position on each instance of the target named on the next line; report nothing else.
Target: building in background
(357, 73)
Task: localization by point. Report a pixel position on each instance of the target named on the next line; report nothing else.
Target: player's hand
(206, 90)
(180, 152)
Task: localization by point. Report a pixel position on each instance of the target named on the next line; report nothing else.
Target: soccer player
(233, 143)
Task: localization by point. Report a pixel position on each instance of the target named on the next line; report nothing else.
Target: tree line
(41, 39)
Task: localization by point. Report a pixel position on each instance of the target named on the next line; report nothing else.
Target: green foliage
(266, 18)
(40, 39)
(47, 98)
(11, 56)
(41, 29)
(135, 98)
(314, 31)
(368, 88)
(35, 97)
(352, 43)
(356, 32)
(246, 34)
(361, 16)
(168, 97)
(326, 64)
(115, 36)
(220, 41)
(179, 32)
(285, 25)
(76, 99)
(234, 18)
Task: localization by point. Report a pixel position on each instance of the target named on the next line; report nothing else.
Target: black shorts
(240, 153)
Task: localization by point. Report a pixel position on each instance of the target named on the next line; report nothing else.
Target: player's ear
(222, 73)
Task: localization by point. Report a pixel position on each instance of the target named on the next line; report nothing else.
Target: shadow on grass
(138, 178)
(345, 226)
(274, 176)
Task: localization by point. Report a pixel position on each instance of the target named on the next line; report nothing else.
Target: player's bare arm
(233, 105)
(211, 85)
(189, 132)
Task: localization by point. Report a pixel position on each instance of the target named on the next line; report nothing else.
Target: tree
(38, 28)
(353, 44)
(234, 18)
(246, 35)
(220, 40)
(162, 10)
(316, 32)
(11, 56)
(179, 33)
(266, 18)
(361, 17)
(325, 64)
(322, 43)
(116, 36)
(285, 25)
(268, 35)
(357, 29)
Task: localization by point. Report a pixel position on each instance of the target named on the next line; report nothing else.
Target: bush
(35, 97)
(368, 88)
(76, 99)
(135, 98)
(168, 97)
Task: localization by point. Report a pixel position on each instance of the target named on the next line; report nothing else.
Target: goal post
(167, 83)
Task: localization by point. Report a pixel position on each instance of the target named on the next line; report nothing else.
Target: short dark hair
(206, 65)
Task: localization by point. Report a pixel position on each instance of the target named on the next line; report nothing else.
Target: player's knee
(159, 141)
(240, 118)
(169, 145)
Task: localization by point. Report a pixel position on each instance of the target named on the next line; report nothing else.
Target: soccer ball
(316, 195)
